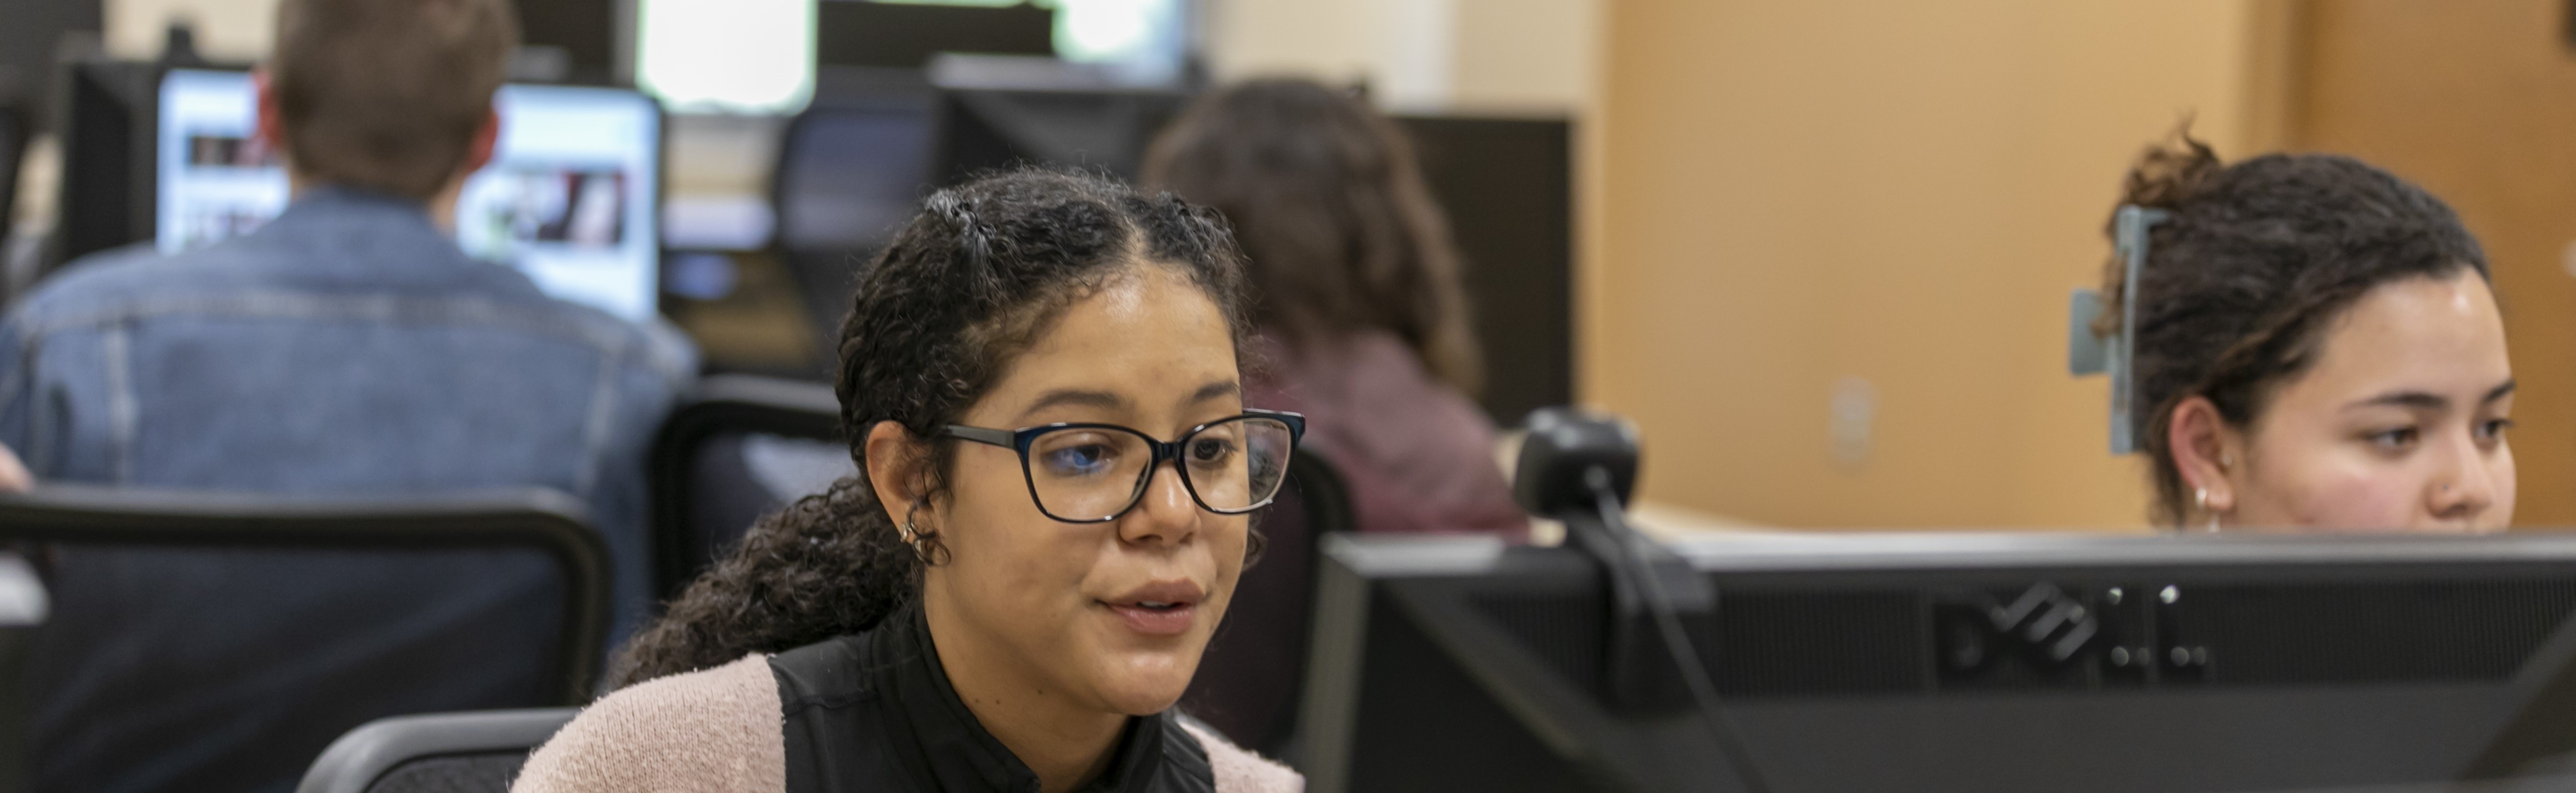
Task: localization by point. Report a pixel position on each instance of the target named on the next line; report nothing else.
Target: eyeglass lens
(1090, 473)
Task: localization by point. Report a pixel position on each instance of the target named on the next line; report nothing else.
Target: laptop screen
(569, 197)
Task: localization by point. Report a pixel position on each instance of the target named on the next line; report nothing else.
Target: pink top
(718, 731)
(1416, 455)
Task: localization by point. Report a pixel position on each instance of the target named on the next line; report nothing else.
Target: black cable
(1685, 655)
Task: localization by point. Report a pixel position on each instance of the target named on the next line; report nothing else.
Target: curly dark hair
(965, 286)
(2254, 262)
(1341, 230)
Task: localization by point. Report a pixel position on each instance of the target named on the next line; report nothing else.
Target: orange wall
(1784, 195)
(2477, 103)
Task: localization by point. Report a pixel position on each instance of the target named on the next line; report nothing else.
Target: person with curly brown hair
(1040, 379)
(2318, 347)
(1363, 320)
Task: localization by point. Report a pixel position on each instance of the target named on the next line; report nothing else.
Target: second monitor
(1958, 663)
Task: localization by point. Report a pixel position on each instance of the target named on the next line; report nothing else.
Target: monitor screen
(1507, 186)
(852, 175)
(568, 198)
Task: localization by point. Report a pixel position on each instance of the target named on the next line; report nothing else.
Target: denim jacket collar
(357, 235)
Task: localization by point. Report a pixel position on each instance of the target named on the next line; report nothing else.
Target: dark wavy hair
(1340, 229)
(965, 286)
(2255, 262)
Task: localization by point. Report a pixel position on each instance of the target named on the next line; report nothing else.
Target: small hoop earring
(912, 537)
(925, 546)
(2200, 500)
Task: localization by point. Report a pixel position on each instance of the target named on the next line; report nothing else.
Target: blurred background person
(1363, 324)
(346, 348)
(2318, 348)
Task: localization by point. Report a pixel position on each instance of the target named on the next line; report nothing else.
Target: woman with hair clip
(1040, 381)
(2318, 348)
(1363, 321)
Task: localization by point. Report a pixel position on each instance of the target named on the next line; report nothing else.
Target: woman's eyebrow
(2426, 400)
(1215, 390)
(1075, 397)
(2420, 400)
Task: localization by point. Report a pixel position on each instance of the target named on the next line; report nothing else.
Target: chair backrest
(739, 447)
(210, 642)
(473, 752)
(1248, 680)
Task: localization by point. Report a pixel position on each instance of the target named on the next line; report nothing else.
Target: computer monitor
(853, 167)
(14, 126)
(1984, 663)
(907, 35)
(570, 197)
(36, 33)
(107, 162)
(585, 32)
(1095, 129)
(1507, 185)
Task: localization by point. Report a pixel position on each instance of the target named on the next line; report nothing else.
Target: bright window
(728, 56)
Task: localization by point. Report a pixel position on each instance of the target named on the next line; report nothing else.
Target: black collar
(875, 711)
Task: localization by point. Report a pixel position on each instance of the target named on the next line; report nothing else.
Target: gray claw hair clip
(2088, 354)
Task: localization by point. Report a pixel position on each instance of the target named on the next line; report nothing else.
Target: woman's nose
(1166, 515)
(2465, 488)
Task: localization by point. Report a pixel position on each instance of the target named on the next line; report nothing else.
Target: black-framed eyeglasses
(1093, 473)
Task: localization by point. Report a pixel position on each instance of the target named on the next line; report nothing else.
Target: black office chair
(1249, 679)
(472, 752)
(739, 447)
(218, 642)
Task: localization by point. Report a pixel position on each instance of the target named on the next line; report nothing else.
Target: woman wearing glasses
(2318, 348)
(1056, 466)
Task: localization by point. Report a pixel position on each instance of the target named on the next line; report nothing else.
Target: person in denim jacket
(348, 347)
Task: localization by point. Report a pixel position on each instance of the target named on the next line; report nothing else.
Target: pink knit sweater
(717, 731)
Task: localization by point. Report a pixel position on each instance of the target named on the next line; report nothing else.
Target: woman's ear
(894, 468)
(2207, 452)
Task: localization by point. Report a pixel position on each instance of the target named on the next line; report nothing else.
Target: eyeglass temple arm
(1002, 438)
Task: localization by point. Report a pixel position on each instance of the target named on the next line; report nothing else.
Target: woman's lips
(1162, 608)
(1170, 620)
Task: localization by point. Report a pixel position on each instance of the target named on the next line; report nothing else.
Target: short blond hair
(388, 94)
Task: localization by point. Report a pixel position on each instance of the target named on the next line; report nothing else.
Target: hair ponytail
(828, 564)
